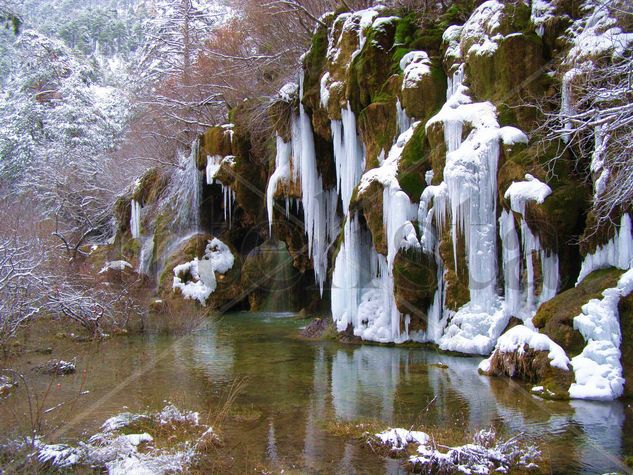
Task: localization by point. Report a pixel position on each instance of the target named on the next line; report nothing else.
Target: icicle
(404, 122)
(348, 155)
(618, 252)
(281, 173)
(135, 219)
(511, 253)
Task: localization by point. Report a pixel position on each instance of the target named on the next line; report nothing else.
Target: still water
(296, 390)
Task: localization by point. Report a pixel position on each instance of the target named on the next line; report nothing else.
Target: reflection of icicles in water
(271, 445)
(145, 258)
(355, 393)
(135, 219)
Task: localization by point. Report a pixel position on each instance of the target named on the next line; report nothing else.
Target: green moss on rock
(415, 283)
(377, 126)
(414, 163)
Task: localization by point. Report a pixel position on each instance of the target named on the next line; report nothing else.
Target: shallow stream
(298, 394)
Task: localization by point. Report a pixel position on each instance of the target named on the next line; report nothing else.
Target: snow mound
(415, 65)
(532, 189)
(520, 338)
(115, 265)
(217, 258)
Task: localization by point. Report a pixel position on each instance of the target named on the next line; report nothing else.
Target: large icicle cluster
(297, 162)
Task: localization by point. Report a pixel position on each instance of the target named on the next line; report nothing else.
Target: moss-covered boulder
(415, 283)
(625, 309)
(150, 186)
(377, 126)
(370, 204)
(555, 318)
(423, 88)
(534, 367)
(216, 141)
(415, 162)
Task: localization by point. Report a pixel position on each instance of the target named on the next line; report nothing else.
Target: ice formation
(597, 370)
(519, 193)
(135, 219)
(217, 258)
(214, 162)
(618, 252)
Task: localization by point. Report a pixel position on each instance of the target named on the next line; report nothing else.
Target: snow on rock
(398, 439)
(596, 34)
(532, 189)
(451, 37)
(485, 455)
(519, 193)
(115, 265)
(217, 258)
(597, 370)
(520, 338)
(618, 252)
(542, 11)
(289, 91)
(415, 65)
(474, 330)
(480, 34)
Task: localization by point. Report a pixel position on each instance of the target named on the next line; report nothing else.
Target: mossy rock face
(414, 163)
(252, 170)
(555, 317)
(625, 309)
(534, 367)
(455, 281)
(313, 68)
(122, 213)
(370, 204)
(426, 96)
(337, 67)
(186, 252)
(371, 68)
(214, 141)
(280, 114)
(437, 147)
(291, 232)
(415, 283)
(377, 126)
(268, 275)
(599, 232)
(151, 186)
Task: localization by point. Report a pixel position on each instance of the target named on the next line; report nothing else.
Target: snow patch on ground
(119, 453)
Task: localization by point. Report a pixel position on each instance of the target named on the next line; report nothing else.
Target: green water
(296, 389)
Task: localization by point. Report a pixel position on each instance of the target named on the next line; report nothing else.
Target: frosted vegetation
(150, 151)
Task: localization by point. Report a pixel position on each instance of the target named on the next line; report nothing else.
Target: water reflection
(296, 390)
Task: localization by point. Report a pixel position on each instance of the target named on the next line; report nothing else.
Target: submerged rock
(56, 367)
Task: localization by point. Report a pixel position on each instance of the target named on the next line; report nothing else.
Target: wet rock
(317, 328)
(56, 367)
